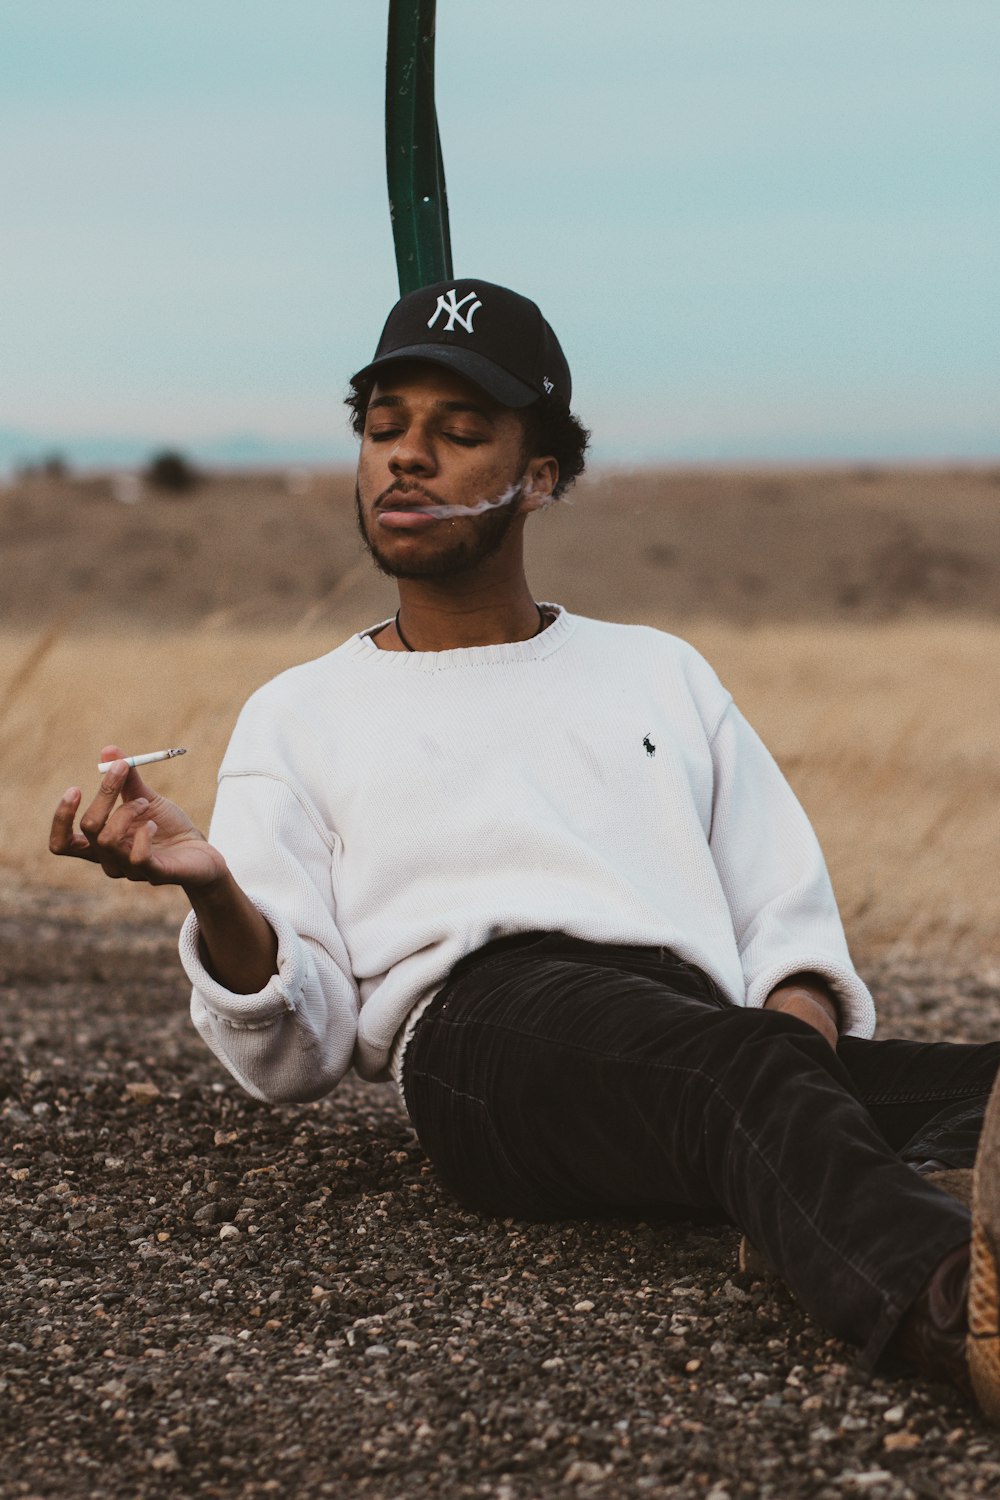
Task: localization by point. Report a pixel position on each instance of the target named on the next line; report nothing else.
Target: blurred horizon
(762, 237)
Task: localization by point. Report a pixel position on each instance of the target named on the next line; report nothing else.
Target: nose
(412, 452)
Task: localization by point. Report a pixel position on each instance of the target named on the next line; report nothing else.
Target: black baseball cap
(496, 338)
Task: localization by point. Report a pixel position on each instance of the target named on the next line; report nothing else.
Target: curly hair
(548, 431)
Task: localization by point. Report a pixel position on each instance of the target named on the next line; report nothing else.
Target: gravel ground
(205, 1296)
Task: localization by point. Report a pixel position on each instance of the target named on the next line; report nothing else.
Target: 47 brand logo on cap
(449, 304)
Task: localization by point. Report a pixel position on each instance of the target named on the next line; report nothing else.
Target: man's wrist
(237, 944)
(818, 990)
(213, 894)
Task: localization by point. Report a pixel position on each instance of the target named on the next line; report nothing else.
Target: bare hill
(853, 545)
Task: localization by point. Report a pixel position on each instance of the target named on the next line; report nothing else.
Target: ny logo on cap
(450, 305)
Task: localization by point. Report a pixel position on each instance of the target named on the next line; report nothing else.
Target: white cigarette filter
(142, 760)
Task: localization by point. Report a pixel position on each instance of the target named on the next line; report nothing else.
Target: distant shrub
(51, 466)
(171, 471)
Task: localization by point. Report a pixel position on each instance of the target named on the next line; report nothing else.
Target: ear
(540, 478)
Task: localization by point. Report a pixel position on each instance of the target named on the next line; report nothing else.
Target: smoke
(456, 512)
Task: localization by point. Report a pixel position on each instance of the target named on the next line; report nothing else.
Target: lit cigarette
(142, 760)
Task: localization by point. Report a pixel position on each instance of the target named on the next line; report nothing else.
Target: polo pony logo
(449, 304)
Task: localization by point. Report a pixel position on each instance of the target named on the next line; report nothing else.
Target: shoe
(752, 1263)
(953, 1328)
(955, 1181)
(983, 1340)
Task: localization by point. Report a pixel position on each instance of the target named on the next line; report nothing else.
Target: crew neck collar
(536, 648)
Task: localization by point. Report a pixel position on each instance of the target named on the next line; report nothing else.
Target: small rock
(580, 1471)
(894, 1415)
(897, 1442)
(141, 1093)
(377, 1351)
(821, 1434)
(229, 1232)
(864, 1480)
(585, 1306)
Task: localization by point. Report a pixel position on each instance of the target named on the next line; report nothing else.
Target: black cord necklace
(541, 627)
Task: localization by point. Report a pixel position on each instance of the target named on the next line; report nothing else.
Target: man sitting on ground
(540, 870)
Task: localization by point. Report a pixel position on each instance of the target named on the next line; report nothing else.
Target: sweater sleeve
(294, 1039)
(774, 877)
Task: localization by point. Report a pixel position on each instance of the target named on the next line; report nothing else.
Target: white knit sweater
(389, 812)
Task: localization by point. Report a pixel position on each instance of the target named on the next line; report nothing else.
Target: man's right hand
(148, 838)
(145, 838)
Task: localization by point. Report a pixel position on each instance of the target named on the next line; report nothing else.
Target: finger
(111, 788)
(134, 785)
(142, 844)
(63, 837)
(118, 831)
(143, 863)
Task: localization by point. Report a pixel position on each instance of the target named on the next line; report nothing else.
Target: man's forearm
(238, 947)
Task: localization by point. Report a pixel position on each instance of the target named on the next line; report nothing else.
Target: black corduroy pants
(554, 1078)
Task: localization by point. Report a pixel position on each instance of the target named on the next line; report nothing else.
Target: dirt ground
(204, 1296)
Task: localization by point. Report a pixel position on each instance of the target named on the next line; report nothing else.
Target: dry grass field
(855, 616)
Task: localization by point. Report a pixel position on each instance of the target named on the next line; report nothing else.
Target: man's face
(433, 438)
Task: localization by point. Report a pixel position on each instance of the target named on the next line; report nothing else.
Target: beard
(453, 554)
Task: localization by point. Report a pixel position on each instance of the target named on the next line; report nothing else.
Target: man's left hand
(810, 999)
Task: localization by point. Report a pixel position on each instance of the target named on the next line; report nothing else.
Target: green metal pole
(418, 201)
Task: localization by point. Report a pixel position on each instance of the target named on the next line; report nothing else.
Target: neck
(434, 618)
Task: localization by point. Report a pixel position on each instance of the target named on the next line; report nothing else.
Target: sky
(763, 233)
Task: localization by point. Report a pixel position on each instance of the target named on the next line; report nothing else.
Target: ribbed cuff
(281, 994)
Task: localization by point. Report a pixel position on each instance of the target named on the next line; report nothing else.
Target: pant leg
(548, 1082)
(927, 1098)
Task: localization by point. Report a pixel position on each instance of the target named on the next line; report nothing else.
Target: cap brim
(496, 382)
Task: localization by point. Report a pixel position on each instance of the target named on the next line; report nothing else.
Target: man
(540, 870)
